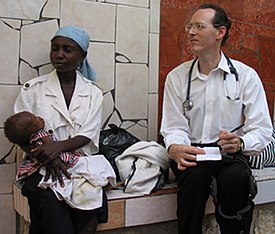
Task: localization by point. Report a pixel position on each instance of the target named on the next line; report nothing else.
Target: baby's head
(19, 127)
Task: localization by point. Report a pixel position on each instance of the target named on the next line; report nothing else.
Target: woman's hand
(184, 155)
(47, 152)
(55, 169)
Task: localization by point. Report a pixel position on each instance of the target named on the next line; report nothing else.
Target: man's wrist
(241, 145)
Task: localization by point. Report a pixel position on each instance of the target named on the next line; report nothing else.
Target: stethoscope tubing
(188, 104)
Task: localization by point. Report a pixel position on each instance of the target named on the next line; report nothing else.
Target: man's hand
(184, 155)
(229, 142)
(55, 169)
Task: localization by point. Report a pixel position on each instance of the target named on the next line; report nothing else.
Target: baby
(27, 131)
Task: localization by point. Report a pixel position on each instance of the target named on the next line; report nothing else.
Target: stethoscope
(188, 104)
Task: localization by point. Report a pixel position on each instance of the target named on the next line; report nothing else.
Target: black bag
(113, 142)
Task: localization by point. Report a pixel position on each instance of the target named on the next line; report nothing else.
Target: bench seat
(127, 210)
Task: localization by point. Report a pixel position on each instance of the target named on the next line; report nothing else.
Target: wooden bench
(127, 210)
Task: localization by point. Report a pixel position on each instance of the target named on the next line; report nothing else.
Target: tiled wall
(124, 51)
(251, 40)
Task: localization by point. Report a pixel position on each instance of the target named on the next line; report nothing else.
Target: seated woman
(267, 156)
(27, 131)
(71, 106)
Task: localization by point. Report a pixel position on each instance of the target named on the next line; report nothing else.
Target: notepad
(211, 154)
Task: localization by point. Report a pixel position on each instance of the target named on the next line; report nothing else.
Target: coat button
(27, 85)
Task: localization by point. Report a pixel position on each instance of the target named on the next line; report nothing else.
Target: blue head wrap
(82, 38)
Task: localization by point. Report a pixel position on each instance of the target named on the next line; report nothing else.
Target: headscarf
(82, 38)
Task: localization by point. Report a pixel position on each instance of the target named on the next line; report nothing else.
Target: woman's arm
(50, 150)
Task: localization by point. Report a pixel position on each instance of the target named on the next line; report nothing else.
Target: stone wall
(123, 49)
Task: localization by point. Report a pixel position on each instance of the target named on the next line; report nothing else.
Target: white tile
(8, 96)
(155, 16)
(37, 36)
(9, 46)
(102, 58)
(115, 119)
(152, 209)
(139, 129)
(7, 149)
(132, 90)
(132, 37)
(52, 9)
(7, 175)
(26, 72)
(153, 117)
(27, 22)
(16, 24)
(27, 9)
(96, 18)
(108, 106)
(7, 215)
(45, 69)
(154, 63)
(139, 3)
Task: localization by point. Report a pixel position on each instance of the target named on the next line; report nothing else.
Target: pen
(234, 130)
(237, 128)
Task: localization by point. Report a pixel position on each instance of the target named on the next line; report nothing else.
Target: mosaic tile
(153, 63)
(138, 129)
(37, 36)
(154, 16)
(139, 3)
(101, 56)
(7, 150)
(9, 41)
(108, 106)
(132, 89)
(28, 9)
(32, 23)
(153, 118)
(52, 9)
(8, 96)
(26, 72)
(16, 24)
(97, 19)
(132, 41)
(45, 69)
(115, 118)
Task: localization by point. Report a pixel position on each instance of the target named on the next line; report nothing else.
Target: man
(218, 102)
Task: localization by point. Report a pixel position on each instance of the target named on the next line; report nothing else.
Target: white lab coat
(43, 96)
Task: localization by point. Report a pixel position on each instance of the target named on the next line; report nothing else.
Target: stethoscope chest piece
(187, 105)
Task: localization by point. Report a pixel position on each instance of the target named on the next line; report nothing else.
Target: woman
(71, 106)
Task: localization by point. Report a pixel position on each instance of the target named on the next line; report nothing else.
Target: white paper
(211, 154)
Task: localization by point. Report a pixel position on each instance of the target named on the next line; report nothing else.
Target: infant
(88, 173)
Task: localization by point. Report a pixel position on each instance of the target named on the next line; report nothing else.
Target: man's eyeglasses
(198, 26)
